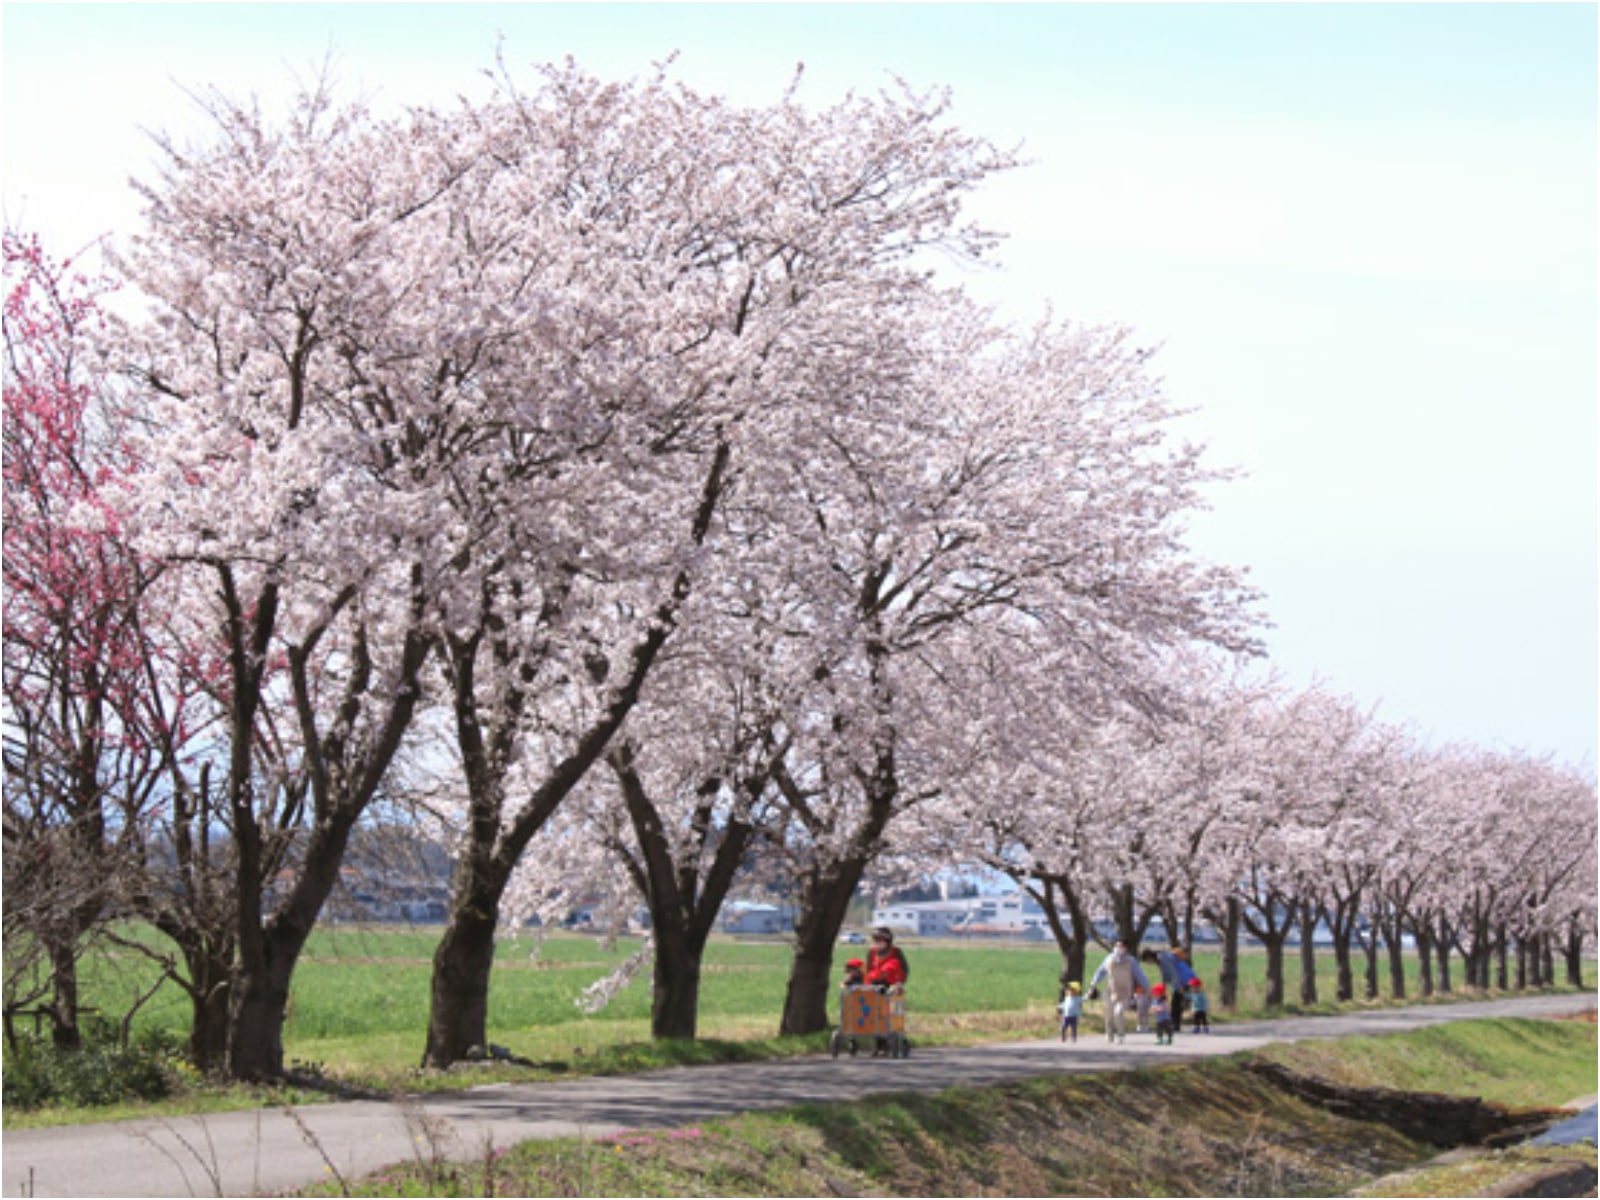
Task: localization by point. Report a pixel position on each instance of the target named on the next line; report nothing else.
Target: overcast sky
(1365, 236)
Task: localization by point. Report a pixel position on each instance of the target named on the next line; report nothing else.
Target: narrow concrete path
(272, 1150)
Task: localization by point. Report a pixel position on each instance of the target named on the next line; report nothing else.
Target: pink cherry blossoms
(603, 480)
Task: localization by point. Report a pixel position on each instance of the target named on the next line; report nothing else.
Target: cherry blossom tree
(692, 779)
(618, 436)
(1125, 812)
(1302, 790)
(1039, 805)
(1518, 831)
(104, 695)
(721, 251)
(1326, 762)
(1562, 802)
(309, 417)
(1013, 497)
(1374, 776)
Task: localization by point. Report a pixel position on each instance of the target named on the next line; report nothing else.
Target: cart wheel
(905, 1046)
(836, 1043)
(853, 1047)
(893, 1048)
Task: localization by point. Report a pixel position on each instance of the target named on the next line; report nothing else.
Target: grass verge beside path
(1515, 1062)
(359, 1006)
(1204, 1129)
(1500, 1170)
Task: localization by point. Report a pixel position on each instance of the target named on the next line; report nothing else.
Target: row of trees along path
(600, 476)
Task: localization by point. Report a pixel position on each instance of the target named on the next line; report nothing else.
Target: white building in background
(1009, 914)
(745, 916)
(929, 918)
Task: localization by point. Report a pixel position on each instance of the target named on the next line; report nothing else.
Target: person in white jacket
(1122, 976)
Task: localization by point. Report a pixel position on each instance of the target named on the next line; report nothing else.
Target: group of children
(1158, 1007)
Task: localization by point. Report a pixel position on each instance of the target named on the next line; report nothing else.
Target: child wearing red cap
(855, 974)
(1200, 1006)
(1161, 1013)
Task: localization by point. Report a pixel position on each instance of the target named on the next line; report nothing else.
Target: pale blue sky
(1364, 234)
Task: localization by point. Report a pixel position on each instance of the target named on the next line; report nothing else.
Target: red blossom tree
(101, 704)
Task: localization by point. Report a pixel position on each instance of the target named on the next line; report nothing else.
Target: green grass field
(360, 1003)
(360, 996)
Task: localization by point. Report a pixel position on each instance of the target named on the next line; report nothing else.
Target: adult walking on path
(271, 1150)
(1176, 974)
(1123, 980)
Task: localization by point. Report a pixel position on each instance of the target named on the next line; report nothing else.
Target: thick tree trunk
(686, 893)
(1274, 947)
(268, 952)
(260, 1007)
(1476, 954)
(827, 886)
(342, 774)
(1344, 968)
(675, 996)
(1502, 972)
(210, 967)
(260, 985)
(1074, 963)
(1572, 950)
(1441, 948)
(1308, 955)
(203, 922)
(1424, 938)
(824, 903)
(1369, 949)
(64, 1031)
(1530, 961)
(1484, 951)
(1070, 929)
(1395, 946)
(1228, 979)
(1124, 917)
(1272, 932)
(1342, 917)
(1075, 949)
(209, 1029)
(458, 1009)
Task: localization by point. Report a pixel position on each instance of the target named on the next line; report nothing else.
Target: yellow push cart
(872, 1018)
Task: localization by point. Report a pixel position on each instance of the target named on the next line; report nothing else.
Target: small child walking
(1200, 1006)
(1161, 1014)
(1071, 1008)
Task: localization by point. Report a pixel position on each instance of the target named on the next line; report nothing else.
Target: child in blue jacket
(1071, 1008)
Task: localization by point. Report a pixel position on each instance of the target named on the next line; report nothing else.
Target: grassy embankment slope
(1206, 1129)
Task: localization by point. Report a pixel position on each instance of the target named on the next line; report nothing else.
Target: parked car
(851, 938)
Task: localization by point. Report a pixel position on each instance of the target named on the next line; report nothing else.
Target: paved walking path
(273, 1150)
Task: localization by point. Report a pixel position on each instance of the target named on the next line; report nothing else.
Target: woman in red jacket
(886, 962)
